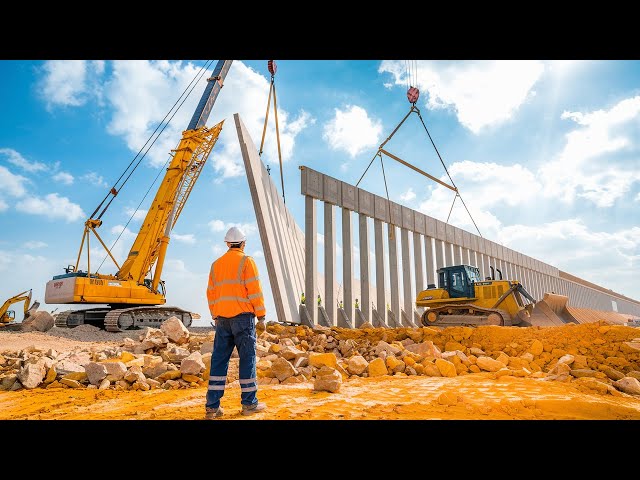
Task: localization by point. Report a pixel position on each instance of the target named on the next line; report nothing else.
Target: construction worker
(357, 304)
(319, 300)
(235, 299)
(340, 304)
(302, 298)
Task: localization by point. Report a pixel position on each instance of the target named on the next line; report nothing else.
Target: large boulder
(40, 321)
(192, 365)
(175, 330)
(32, 374)
(327, 379)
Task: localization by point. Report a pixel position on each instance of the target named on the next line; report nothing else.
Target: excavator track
(121, 319)
(465, 315)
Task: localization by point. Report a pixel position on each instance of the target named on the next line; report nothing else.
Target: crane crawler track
(465, 314)
(121, 319)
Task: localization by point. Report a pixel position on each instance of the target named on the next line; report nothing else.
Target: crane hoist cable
(413, 94)
(164, 123)
(115, 189)
(272, 67)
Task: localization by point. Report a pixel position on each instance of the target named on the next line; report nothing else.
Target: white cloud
(258, 254)
(71, 83)
(187, 238)
(52, 206)
(217, 226)
(121, 229)
(64, 178)
(481, 92)
(477, 181)
(13, 185)
(3, 205)
(637, 199)
(34, 244)
(18, 160)
(572, 247)
(589, 166)
(135, 214)
(408, 195)
(142, 92)
(64, 83)
(218, 249)
(352, 130)
(94, 179)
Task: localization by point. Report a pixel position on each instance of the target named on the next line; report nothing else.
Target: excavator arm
(25, 296)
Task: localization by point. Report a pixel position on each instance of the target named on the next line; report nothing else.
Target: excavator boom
(7, 316)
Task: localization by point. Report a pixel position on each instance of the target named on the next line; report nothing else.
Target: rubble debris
(599, 358)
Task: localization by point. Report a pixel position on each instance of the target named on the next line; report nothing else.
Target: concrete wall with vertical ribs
(421, 243)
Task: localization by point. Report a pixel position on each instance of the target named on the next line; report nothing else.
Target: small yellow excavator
(7, 316)
(463, 298)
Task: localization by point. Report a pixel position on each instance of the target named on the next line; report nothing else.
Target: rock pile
(596, 357)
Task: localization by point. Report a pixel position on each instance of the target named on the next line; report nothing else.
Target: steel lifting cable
(192, 84)
(447, 171)
(412, 95)
(114, 191)
(272, 67)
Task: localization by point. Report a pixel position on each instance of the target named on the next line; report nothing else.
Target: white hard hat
(235, 235)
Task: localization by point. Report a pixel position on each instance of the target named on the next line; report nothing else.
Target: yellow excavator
(7, 316)
(463, 298)
(134, 296)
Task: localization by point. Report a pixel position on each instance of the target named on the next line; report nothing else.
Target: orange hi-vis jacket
(234, 286)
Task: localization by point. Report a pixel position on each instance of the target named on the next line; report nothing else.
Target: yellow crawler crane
(134, 296)
(462, 298)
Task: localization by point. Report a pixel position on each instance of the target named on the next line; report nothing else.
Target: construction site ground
(473, 396)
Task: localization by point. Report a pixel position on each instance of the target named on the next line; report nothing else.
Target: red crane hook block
(272, 67)
(413, 94)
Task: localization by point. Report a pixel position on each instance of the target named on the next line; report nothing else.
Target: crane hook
(271, 65)
(413, 94)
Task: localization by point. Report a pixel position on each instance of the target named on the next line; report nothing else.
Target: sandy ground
(468, 397)
(477, 397)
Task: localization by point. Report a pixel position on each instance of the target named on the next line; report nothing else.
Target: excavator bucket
(33, 309)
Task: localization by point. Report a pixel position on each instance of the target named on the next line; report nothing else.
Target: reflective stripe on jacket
(234, 286)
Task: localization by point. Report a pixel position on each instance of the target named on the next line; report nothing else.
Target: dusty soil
(468, 397)
(478, 397)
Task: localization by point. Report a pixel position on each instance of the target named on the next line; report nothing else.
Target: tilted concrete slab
(282, 239)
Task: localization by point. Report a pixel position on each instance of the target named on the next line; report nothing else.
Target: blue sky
(545, 155)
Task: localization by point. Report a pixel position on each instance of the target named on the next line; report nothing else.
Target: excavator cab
(7, 316)
(458, 280)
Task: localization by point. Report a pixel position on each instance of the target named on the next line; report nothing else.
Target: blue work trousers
(240, 332)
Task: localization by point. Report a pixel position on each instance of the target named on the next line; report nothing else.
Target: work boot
(213, 413)
(251, 409)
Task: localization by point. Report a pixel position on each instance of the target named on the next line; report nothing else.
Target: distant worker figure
(235, 298)
(388, 308)
(319, 300)
(357, 305)
(340, 305)
(302, 298)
